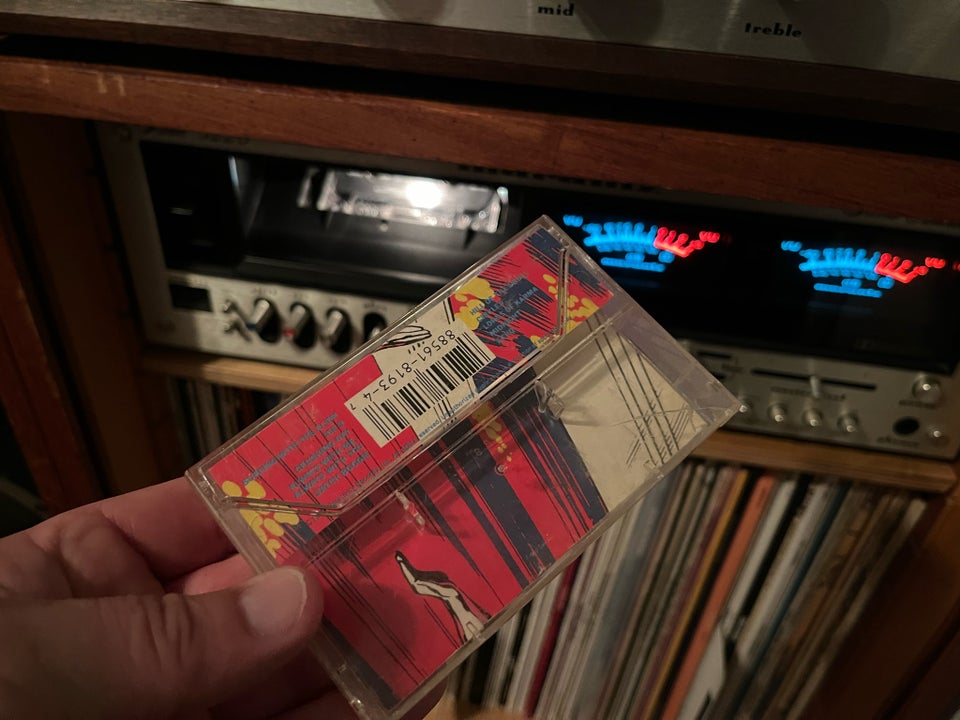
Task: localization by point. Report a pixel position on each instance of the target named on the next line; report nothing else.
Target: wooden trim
(76, 254)
(249, 374)
(703, 161)
(878, 468)
(740, 82)
(32, 392)
(903, 628)
(937, 693)
(918, 474)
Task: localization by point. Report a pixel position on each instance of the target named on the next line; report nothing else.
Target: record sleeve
(707, 622)
(443, 473)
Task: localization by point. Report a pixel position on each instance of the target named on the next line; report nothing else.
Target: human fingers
(226, 573)
(299, 682)
(86, 557)
(301, 689)
(151, 656)
(169, 525)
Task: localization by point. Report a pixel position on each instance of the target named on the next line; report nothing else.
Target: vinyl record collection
(208, 415)
(725, 593)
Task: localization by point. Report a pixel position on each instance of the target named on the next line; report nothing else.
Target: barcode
(427, 391)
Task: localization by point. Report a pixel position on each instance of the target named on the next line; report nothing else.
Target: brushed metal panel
(916, 38)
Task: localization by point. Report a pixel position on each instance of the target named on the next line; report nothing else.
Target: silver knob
(745, 409)
(263, 313)
(813, 418)
(302, 329)
(937, 434)
(927, 389)
(778, 413)
(237, 326)
(816, 387)
(848, 423)
(335, 328)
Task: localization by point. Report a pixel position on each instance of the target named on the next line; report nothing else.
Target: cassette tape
(442, 474)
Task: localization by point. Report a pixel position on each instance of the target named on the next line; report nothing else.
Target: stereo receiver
(827, 327)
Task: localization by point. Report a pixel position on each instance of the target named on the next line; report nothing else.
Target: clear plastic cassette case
(437, 478)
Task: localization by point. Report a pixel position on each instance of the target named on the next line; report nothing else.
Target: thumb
(153, 656)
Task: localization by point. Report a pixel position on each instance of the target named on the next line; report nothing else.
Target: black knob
(302, 330)
(373, 325)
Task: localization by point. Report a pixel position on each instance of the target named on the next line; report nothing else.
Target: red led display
(680, 244)
(902, 270)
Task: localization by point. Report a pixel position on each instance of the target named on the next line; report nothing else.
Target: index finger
(170, 526)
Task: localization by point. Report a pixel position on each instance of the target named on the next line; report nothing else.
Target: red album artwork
(426, 570)
(416, 567)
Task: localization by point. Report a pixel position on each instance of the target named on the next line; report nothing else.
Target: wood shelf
(447, 709)
(249, 374)
(887, 469)
(878, 468)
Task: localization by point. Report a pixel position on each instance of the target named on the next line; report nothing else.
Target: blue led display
(625, 245)
(842, 271)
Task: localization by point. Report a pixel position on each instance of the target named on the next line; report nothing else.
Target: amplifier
(895, 36)
(827, 327)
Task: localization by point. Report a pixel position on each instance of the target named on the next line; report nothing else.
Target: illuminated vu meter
(859, 272)
(636, 246)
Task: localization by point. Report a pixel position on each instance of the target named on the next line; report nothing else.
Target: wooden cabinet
(88, 399)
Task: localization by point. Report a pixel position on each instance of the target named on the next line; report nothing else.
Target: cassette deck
(827, 327)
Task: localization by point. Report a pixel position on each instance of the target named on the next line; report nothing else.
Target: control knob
(778, 413)
(937, 434)
(816, 387)
(236, 325)
(302, 330)
(848, 423)
(373, 325)
(335, 333)
(264, 320)
(927, 389)
(813, 418)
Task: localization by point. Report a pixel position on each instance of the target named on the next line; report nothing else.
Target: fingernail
(273, 602)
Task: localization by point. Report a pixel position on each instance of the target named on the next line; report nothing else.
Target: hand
(139, 607)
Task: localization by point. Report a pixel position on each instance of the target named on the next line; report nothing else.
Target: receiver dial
(302, 330)
(373, 325)
(336, 333)
(264, 320)
(778, 413)
(813, 418)
(848, 423)
(928, 390)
